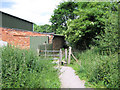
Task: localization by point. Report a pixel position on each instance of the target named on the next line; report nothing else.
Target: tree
(63, 12)
(43, 28)
(36, 28)
(108, 41)
(90, 22)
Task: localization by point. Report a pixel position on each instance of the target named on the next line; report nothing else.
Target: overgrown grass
(0, 68)
(24, 69)
(100, 71)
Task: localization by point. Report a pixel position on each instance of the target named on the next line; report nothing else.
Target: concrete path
(69, 79)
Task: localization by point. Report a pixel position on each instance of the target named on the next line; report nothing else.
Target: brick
(19, 38)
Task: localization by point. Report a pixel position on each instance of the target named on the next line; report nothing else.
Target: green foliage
(63, 12)
(94, 22)
(96, 26)
(43, 28)
(0, 67)
(99, 71)
(24, 69)
(109, 39)
(85, 24)
(89, 24)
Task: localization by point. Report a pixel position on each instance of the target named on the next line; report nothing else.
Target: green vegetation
(88, 25)
(95, 20)
(94, 33)
(99, 71)
(43, 28)
(0, 67)
(85, 24)
(24, 69)
(63, 12)
(92, 29)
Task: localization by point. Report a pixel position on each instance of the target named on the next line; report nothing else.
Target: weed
(24, 69)
(99, 70)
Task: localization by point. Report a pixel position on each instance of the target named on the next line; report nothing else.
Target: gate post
(45, 50)
(60, 57)
(38, 52)
(69, 57)
(66, 55)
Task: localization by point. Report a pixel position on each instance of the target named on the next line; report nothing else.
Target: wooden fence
(59, 54)
(53, 53)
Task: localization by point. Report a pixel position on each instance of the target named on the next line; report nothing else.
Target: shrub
(99, 70)
(24, 69)
(0, 68)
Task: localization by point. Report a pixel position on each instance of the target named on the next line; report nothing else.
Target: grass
(0, 68)
(99, 71)
(24, 69)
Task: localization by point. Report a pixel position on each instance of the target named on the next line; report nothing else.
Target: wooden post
(60, 58)
(45, 49)
(37, 51)
(66, 55)
(69, 57)
(76, 60)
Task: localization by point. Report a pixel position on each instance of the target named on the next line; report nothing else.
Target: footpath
(69, 79)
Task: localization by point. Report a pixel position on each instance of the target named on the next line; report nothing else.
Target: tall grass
(0, 67)
(99, 70)
(24, 69)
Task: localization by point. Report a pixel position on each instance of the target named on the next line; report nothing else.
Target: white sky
(36, 11)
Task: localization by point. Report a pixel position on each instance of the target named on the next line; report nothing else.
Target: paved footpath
(69, 79)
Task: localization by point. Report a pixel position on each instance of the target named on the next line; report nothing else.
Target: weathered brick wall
(19, 37)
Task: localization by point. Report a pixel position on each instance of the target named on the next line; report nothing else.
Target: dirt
(69, 79)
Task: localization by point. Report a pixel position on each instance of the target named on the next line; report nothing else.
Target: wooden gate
(55, 54)
(58, 53)
(49, 53)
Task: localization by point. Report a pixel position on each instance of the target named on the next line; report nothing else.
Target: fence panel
(49, 53)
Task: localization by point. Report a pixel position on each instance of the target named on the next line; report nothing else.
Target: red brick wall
(20, 38)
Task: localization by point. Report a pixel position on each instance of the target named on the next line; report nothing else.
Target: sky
(36, 11)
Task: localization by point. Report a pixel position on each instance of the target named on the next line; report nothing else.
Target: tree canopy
(43, 28)
(63, 12)
(85, 24)
(91, 23)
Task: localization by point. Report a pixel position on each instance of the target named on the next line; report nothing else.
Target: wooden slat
(49, 50)
(50, 55)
